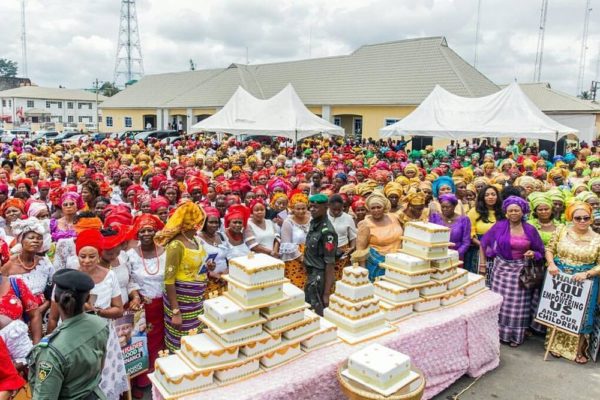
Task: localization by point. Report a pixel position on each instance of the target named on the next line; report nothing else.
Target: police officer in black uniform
(319, 254)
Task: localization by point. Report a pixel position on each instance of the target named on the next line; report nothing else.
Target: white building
(34, 106)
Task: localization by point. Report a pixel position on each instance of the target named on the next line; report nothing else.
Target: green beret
(318, 198)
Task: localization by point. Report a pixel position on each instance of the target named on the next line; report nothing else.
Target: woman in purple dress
(513, 243)
(460, 225)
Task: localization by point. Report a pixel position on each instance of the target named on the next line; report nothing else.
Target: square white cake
(311, 324)
(460, 278)
(452, 260)
(427, 232)
(239, 370)
(406, 262)
(407, 277)
(226, 314)
(379, 366)
(255, 298)
(432, 288)
(204, 352)
(420, 249)
(441, 274)
(355, 275)
(295, 299)
(354, 293)
(475, 284)
(284, 320)
(428, 303)
(256, 269)
(282, 354)
(266, 342)
(394, 293)
(327, 333)
(394, 312)
(177, 377)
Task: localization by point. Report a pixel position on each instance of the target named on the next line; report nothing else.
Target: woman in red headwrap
(159, 206)
(171, 191)
(116, 238)
(146, 264)
(359, 209)
(11, 210)
(236, 219)
(216, 249)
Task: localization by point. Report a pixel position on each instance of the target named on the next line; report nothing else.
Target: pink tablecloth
(444, 344)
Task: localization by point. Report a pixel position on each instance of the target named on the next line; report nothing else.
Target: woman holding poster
(575, 250)
(512, 243)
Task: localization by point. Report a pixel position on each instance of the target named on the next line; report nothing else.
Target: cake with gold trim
(427, 232)
(177, 377)
(380, 368)
(406, 262)
(356, 314)
(204, 352)
(256, 268)
(282, 354)
(394, 293)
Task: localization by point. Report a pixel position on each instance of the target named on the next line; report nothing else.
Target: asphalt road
(524, 375)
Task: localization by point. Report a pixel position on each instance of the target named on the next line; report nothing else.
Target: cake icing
(351, 292)
(424, 250)
(406, 262)
(282, 354)
(177, 377)
(394, 293)
(226, 314)
(204, 352)
(243, 368)
(256, 268)
(295, 299)
(427, 232)
(355, 276)
(407, 277)
(379, 366)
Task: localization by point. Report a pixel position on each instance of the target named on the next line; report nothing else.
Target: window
(30, 104)
(70, 118)
(47, 104)
(3, 103)
(109, 121)
(80, 119)
(81, 105)
(10, 103)
(60, 118)
(391, 121)
(337, 121)
(128, 122)
(59, 104)
(70, 105)
(99, 119)
(357, 126)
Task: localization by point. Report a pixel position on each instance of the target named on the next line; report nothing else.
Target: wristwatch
(175, 311)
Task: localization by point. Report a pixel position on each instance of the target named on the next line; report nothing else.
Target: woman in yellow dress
(378, 234)
(575, 250)
(186, 272)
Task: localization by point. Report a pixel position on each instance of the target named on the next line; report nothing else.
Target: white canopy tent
(282, 115)
(507, 113)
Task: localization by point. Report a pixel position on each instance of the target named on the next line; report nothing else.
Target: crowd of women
(155, 226)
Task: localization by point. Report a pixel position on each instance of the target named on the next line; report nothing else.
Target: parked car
(130, 134)
(62, 136)
(8, 136)
(39, 136)
(77, 138)
(100, 136)
(158, 135)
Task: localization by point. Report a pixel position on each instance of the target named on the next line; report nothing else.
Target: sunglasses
(582, 219)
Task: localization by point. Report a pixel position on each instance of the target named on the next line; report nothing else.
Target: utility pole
(475, 59)
(582, 55)
(129, 62)
(96, 89)
(539, 55)
(24, 71)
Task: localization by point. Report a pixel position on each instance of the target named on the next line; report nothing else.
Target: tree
(109, 89)
(8, 68)
(192, 65)
(585, 95)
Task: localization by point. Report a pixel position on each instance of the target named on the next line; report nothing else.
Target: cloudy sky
(71, 43)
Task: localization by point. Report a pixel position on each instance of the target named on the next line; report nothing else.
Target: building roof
(552, 101)
(9, 82)
(402, 72)
(38, 92)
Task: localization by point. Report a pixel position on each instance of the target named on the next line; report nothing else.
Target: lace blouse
(293, 235)
(37, 279)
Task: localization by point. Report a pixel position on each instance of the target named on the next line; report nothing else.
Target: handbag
(532, 275)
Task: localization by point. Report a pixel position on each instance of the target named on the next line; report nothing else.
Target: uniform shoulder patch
(45, 368)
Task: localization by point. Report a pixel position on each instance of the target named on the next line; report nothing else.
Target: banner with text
(563, 302)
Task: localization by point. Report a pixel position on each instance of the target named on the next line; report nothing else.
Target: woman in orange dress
(378, 234)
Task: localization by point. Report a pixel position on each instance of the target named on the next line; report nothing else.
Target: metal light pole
(96, 87)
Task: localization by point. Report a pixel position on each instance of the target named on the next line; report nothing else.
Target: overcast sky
(71, 43)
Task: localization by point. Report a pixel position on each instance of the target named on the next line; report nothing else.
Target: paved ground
(524, 375)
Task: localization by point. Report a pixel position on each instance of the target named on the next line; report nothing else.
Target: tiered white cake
(262, 320)
(424, 275)
(354, 308)
(381, 369)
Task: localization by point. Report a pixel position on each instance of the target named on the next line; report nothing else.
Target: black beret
(71, 279)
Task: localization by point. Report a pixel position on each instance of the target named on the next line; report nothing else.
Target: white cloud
(72, 43)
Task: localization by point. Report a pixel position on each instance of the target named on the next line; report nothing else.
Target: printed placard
(563, 302)
(131, 330)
